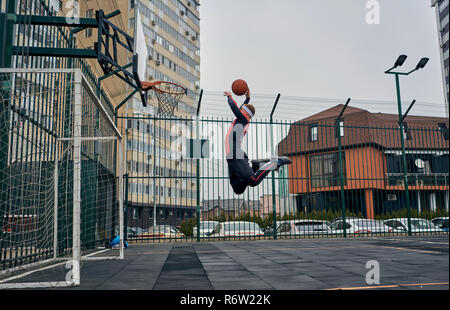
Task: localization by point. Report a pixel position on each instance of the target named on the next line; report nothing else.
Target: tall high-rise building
(172, 30)
(157, 178)
(442, 9)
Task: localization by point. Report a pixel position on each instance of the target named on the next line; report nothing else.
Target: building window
(444, 22)
(88, 32)
(443, 5)
(313, 133)
(445, 38)
(325, 170)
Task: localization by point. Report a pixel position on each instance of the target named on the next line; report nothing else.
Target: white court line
(47, 267)
(27, 266)
(446, 243)
(387, 286)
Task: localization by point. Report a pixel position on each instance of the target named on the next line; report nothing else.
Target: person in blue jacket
(116, 240)
(240, 172)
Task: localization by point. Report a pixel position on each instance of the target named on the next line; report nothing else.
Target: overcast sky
(321, 49)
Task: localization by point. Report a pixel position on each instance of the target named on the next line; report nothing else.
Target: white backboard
(140, 46)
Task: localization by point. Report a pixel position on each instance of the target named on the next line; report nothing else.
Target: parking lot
(297, 264)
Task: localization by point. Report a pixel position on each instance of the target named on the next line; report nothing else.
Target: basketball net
(168, 95)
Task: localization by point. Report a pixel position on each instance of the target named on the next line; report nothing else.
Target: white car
(206, 227)
(359, 226)
(161, 231)
(417, 225)
(303, 227)
(441, 222)
(237, 229)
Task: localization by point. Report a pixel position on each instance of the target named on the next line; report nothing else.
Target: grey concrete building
(442, 17)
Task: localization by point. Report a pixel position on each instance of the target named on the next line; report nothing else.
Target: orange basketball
(239, 87)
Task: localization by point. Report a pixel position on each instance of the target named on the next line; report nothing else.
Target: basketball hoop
(168, 95)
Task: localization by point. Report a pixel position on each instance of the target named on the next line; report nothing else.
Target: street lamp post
(401, 59)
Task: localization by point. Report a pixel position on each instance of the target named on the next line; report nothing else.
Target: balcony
(417, 179)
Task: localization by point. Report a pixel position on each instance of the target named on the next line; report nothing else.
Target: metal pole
(198, 187)
(76, 246)
(125, 208)
(122, 217)
(121, 210)
(274, 106)
(7, 21)
(198, 167)
(55, 204)
(154, 173)
(274, 201)
(407, 111)
(402, 140)
(341, 166)
(199, 102)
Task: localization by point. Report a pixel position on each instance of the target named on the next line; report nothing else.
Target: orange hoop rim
(157, 86)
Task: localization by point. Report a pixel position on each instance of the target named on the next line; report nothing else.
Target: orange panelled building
(372, 161)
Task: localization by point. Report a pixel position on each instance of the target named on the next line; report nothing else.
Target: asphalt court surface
(405, 263)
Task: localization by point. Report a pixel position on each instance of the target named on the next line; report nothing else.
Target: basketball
(239, 87)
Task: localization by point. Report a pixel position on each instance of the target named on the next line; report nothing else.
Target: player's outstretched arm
(247, 96)
(234, 107)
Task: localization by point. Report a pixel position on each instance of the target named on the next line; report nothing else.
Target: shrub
(187, 226)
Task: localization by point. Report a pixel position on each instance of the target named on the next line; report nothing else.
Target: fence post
(7, 20)
(198, 167)
(120, 194)
(341, 166)
(125, 207)
(402, 140)
(55, 204)
(122, 144)
(274, 201)
(154, 172)
(76, 237)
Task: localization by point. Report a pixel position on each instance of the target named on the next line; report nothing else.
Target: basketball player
(240, 172)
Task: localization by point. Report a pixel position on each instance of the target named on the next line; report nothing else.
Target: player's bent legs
(242, 175)
(259, 176)
(239, 188)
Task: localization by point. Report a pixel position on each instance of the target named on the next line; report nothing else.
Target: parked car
(206, 227)
(268, 231)
(236, 229)
(138, 230)
(359, 226)
(340, 218)
(161, 231)
(417, 225)
(441, 222)
(303, 227)
(133, 232)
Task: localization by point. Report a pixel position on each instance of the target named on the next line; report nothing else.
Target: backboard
(140, 54)
(140, 50)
